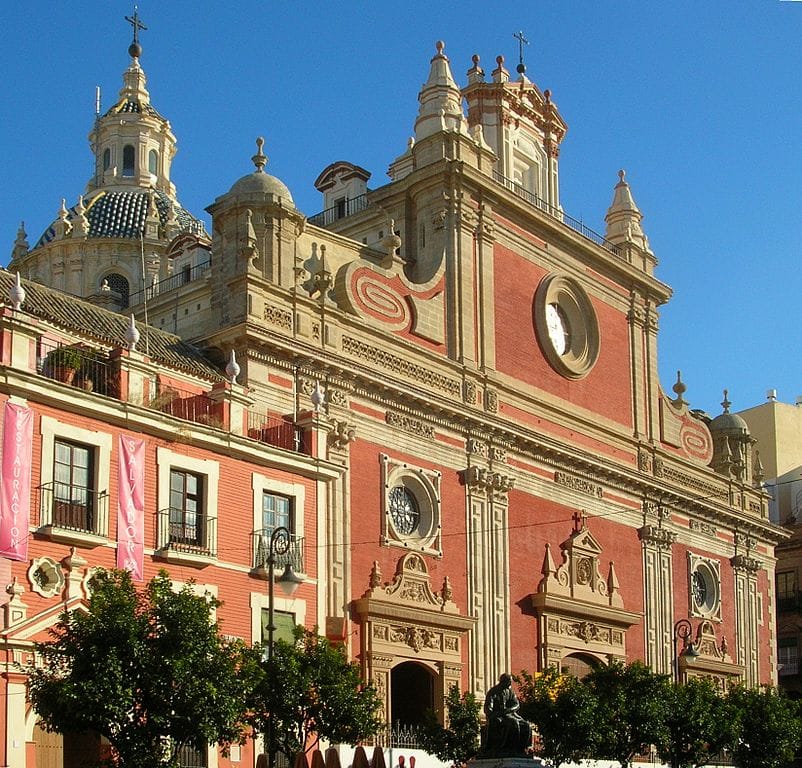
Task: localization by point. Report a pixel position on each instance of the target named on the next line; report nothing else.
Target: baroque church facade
(488, 476)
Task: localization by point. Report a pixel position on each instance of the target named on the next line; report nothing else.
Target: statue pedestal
(506, 762)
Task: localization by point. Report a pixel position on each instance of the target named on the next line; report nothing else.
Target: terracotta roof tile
(106, 327)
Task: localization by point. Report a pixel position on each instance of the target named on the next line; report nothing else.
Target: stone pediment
(579, 575)
(407, 620)
(580, 610)
(410, 588)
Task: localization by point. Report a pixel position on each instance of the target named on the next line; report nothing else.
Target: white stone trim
(51, 429)
(167, 460)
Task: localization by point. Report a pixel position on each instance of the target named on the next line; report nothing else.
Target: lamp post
(279, 544)
(683, 631)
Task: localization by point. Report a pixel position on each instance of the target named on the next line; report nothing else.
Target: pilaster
(658, 589)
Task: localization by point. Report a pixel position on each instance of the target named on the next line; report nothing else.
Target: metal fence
(260, 547)
(340, 210)
(72, 507)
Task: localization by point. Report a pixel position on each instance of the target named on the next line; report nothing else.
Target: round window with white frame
(704, 587)
(566, 326)
(411, 515)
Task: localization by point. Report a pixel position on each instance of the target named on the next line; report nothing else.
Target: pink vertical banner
(131, 507)
(15, 484)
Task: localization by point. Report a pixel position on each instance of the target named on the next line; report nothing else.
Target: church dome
(258, 185)
(728, 422)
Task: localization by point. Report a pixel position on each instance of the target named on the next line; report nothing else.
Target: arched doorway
(578, 665)
(412, 693)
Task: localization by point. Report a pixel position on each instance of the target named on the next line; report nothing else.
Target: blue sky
(701, 103)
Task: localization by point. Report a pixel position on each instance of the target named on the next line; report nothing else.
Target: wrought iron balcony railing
(177, 280)
(556, 213)
(340, 210)
(180, 532)
(275, 430)
(73, 508)
(260, 548)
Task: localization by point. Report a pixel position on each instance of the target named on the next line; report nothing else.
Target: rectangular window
(73, 486)
(787, 656)
(186, 508)
(276, 512)
(786, 590)
(284, 623)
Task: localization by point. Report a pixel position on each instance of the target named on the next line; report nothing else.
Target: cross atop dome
(135, 49)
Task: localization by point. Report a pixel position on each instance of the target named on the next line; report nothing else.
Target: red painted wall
(606, 390)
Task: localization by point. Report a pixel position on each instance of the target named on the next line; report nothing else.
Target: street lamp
(683, 631)
(280, 541)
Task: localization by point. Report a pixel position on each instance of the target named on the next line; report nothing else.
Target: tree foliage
(699, 723)
(564, 712)
(311, 691)
(457, 741)
(768, 730)
(147, 669)
(630, 709)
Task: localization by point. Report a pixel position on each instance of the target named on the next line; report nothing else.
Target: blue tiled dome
(123, 214)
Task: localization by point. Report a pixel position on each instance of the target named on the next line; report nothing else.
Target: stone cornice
(569, 606)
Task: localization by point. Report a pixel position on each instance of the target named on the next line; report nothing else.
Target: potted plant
(63, 363)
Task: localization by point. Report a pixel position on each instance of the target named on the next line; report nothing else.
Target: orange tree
(699, 723)
(458, 741)
(147, 669)
(311, 691)
(767, 727)
(630, 709)
(564, 712)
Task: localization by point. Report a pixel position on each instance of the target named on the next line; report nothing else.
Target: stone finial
(447, 592)
(260, 158)
(232, 367)
(318, 397)
(80, 225)
(475, 74)
(500, 74)
(375, 575)
(391, 242)
(624, 217)
(132, 334)
(679, 389)
(21, 243)
(17, 293)
(758, 473)
(725, 403)
(62, 225)
(440, 94)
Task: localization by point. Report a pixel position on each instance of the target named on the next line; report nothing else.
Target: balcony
(556, 213)
(275, 430)
(187, 405)
(77, 366)
(178, 280)
(73, 514)
(92, 370)
(184, 540)
(342, 209)
(260, 546)
(789, 603)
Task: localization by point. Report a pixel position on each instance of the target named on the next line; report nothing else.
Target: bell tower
(132, 143)
(522, 126)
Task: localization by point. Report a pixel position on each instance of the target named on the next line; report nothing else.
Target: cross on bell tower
(135, 49)
(522, 41)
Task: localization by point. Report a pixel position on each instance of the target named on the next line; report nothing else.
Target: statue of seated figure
(508, 734)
